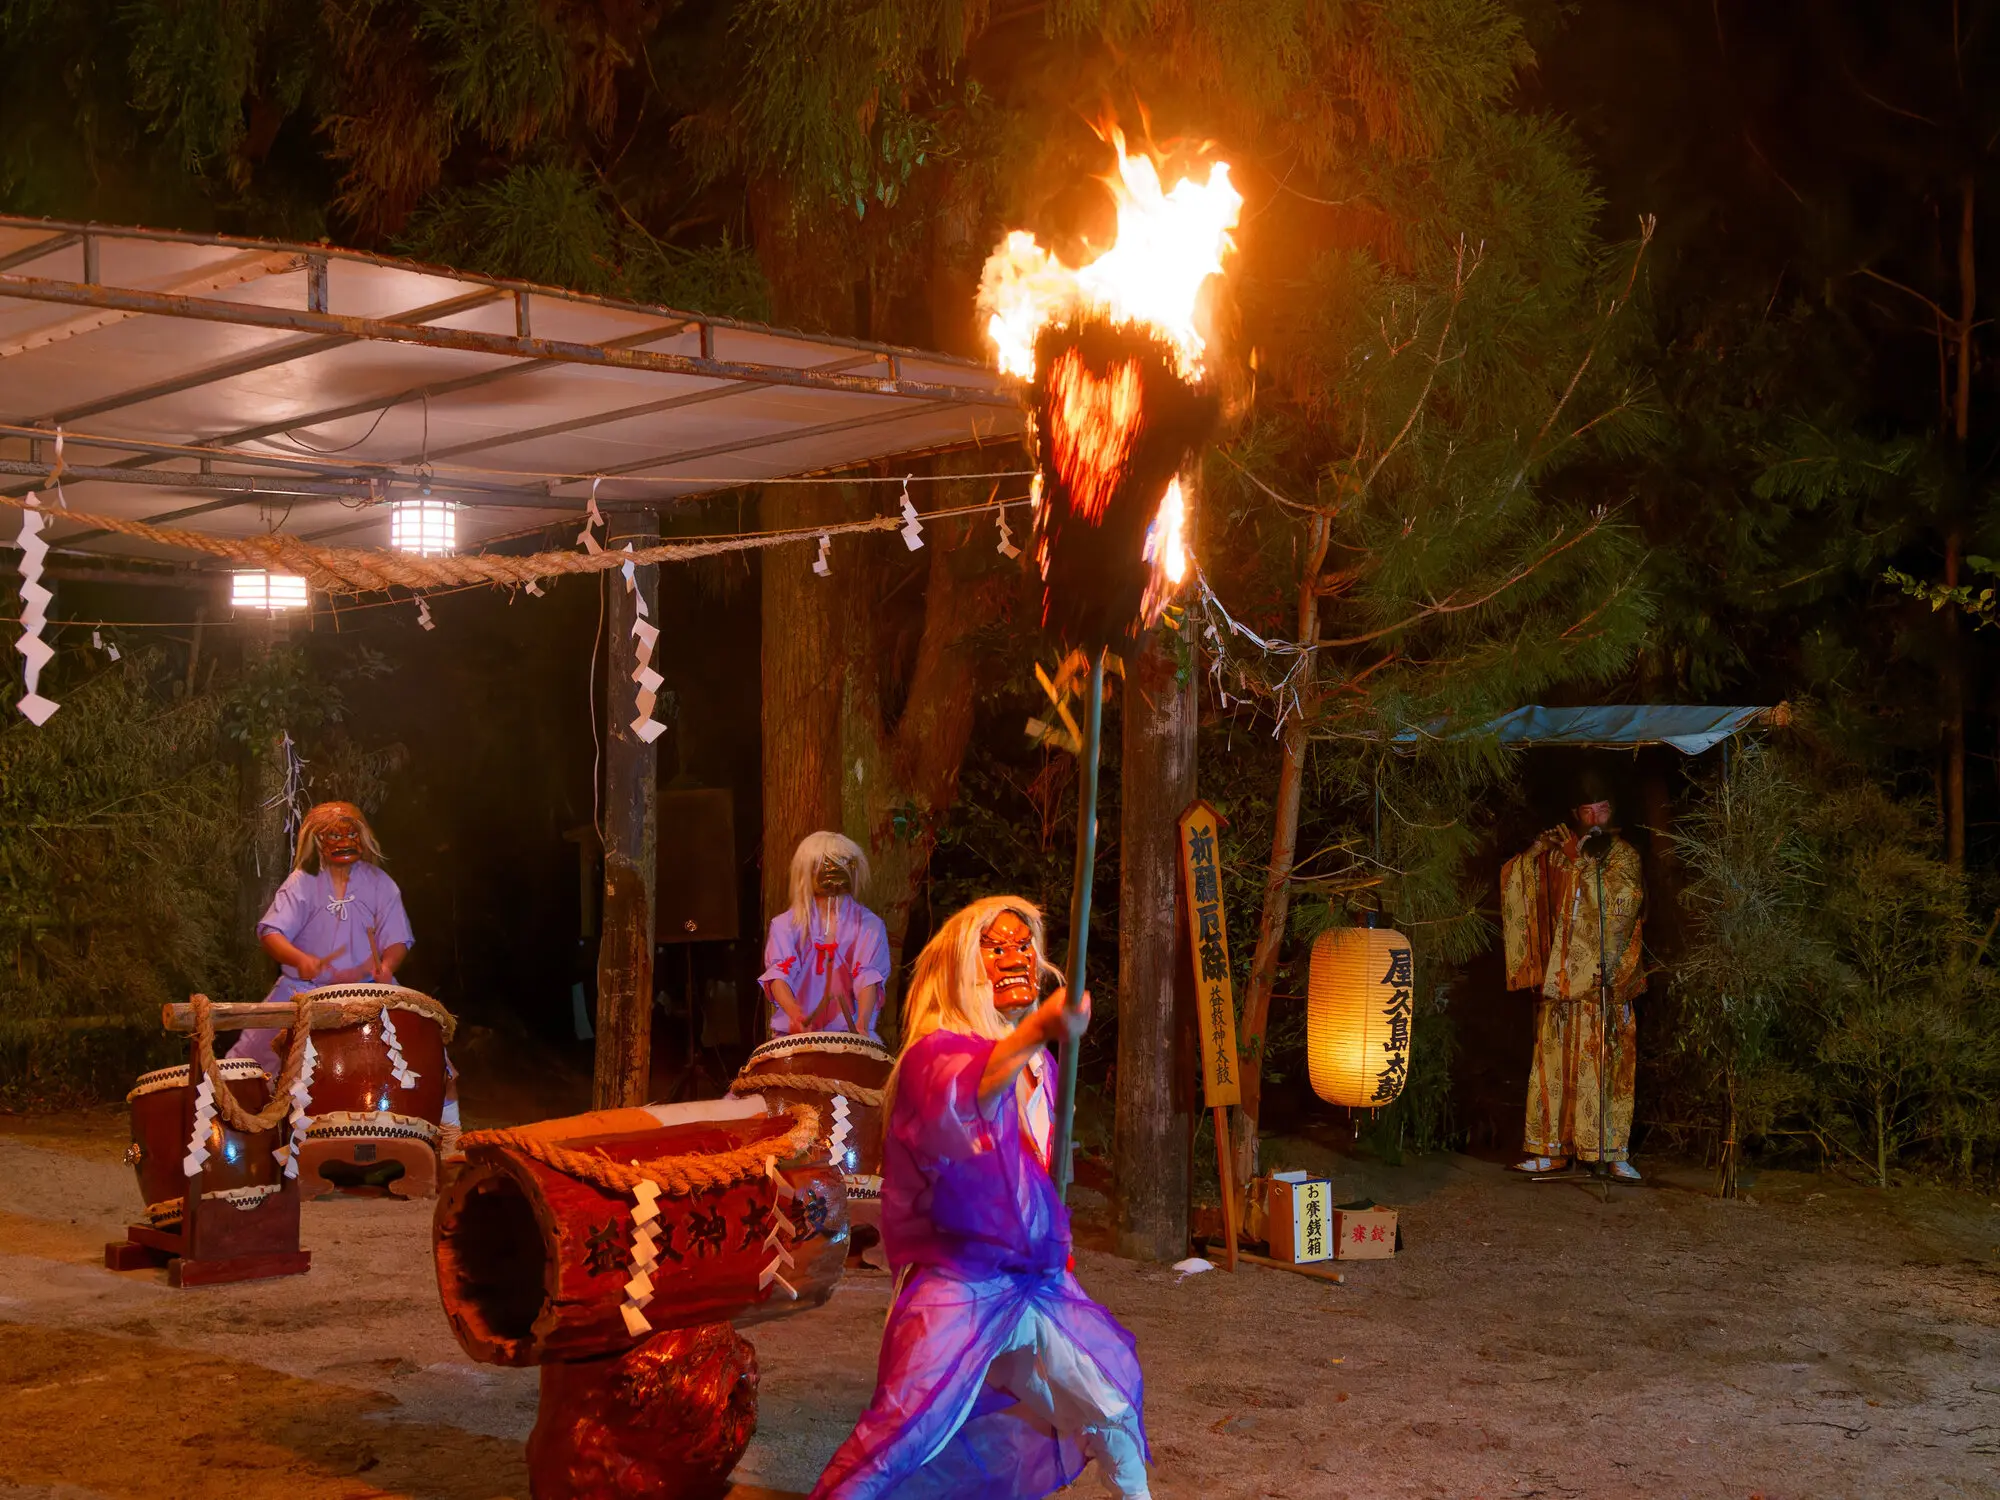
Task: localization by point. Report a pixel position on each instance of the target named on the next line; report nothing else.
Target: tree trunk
(1272, 920)
(631, 834)
(803, 665)
(897, 782)
(1150, 1149)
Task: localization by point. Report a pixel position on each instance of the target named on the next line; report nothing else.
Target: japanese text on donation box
(1216, 994)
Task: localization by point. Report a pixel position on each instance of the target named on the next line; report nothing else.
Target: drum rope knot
(300, 1041)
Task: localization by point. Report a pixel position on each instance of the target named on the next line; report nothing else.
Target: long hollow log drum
(842, 1074)
(615, 1250)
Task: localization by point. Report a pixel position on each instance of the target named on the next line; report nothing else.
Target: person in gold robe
(1571, 913)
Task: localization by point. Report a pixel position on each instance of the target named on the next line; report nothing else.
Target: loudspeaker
(696, 882)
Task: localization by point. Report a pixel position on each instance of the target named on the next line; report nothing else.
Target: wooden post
(629, 815)
(1157, 781)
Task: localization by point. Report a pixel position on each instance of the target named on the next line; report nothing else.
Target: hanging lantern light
(423, 527)
(272, 592)
(1358, 1013)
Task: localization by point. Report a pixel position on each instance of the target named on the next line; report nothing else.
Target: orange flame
(1170, 241)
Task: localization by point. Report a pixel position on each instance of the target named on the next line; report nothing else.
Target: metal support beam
(791, 435)
(473, 341)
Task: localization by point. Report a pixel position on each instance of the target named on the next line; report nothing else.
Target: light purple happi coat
(972, 1226)
(826, 970)
(306, 914)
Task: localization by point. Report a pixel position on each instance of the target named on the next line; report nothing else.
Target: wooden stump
(667, 1419)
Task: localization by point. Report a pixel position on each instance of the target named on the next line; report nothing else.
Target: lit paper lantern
(1358, 1014)
(423, 528)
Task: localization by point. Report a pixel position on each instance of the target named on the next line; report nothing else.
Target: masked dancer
(337, 919)
(827, 956)
(999, 1377)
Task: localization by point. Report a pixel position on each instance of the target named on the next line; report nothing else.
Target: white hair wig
(806, 859)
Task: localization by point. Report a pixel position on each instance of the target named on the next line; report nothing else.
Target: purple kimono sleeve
(985, 1203)
(871, 951)
(392, 922)
(781, 951)
(290, 908)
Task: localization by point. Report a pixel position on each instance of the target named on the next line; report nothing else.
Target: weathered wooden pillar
(631, 833)
(1156, 785)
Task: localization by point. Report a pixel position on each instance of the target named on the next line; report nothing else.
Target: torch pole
(1060, 1164)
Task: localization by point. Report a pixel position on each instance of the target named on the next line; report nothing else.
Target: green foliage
(118, 828)
(1832, 982)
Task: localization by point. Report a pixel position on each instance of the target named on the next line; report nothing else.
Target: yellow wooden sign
(1201, 872)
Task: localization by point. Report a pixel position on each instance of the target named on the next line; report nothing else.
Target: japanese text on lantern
(1209, 932)
(1396, 1046)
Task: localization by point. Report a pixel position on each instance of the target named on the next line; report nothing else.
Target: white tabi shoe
(1624, 1171)
(1537, 1166)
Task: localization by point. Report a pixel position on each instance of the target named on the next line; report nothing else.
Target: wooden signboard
(1201, 879)
(1215, 992)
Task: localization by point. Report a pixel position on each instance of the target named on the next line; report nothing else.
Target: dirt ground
(1532, 1340)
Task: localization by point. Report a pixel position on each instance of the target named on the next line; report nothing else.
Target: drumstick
(374, 956)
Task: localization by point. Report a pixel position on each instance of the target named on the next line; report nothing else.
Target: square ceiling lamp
(270, 592)
(423, 527)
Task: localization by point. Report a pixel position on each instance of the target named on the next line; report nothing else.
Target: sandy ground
(1532, 1340)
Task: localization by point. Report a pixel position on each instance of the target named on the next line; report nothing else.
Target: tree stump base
(669, 1418)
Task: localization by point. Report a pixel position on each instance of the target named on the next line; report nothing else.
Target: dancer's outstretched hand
(1058, 1022)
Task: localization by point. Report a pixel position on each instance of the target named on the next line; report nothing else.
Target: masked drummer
(826, 959)
(337, 919)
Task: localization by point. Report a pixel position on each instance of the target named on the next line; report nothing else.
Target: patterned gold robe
(1550, 919)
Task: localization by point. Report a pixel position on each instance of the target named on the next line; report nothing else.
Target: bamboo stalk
(1060, 1165)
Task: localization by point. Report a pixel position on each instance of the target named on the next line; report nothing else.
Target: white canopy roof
(240, 386)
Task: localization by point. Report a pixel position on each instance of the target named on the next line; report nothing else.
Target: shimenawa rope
(226, 1103)
(805, 1083)
(677, 1176)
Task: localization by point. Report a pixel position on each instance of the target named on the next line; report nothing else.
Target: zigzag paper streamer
(584, 538)
(836, 1140)
(781, 1227)
(424, 614)
(648, 681)
(913, 529)
(288, 1154)
(204, 1119)
(823, 564)
(1006, 548)
(645, 1256)
(35, 602)
(405, 1075)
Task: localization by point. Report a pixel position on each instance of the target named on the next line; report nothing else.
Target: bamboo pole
(1060, 1165)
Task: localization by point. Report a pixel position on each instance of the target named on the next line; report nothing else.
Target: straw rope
(805, 1083)
(676, 1176)
(226, 1105)
(361, 570)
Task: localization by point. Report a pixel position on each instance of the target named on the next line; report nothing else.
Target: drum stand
(217, 1240)
(365, 1153)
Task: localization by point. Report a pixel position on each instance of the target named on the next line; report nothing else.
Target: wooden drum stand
(238, 1218)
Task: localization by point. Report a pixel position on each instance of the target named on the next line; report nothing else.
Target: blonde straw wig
(814, 848)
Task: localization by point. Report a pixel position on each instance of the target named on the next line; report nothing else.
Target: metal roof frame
(209, 368)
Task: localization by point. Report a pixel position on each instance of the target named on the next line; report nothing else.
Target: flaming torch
(1111, 353)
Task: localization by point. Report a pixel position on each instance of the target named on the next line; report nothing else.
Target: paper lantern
(1358, 1014)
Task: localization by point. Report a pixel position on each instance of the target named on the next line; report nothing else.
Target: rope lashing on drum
(226, 1102)
(806, 1083)
(678, 1176)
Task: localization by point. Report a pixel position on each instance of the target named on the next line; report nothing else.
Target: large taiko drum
(240, 1168)
(842, 1073)
(378, 1074)
(534, 1258)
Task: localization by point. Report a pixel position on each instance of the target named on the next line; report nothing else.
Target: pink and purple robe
(999, 1376)
(826, 970)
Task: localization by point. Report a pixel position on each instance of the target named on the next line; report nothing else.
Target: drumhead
(364, 1000)
(177, 1078)
(820, 1041)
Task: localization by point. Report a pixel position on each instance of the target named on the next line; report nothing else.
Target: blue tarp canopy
(1688, 728)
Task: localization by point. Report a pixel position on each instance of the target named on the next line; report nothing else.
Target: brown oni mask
(833, 878)
(1007, 949)
(340, 842)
